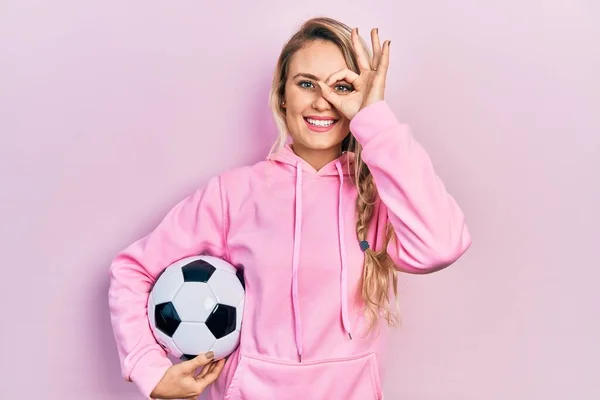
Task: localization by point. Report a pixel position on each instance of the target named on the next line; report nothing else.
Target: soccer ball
(195, 306)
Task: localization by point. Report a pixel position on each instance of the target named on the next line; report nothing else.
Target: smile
(320, 124)
(317, 122)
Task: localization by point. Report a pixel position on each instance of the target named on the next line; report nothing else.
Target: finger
(384, 63)
(203, 371)
(198, 361)
(206, 369)
(376, 48)
(329, 95)
(212, 375)
(361, 57)
(342, 75)
(380, 76)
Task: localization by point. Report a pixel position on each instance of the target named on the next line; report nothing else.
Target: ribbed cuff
(371, 120)
(149, 370)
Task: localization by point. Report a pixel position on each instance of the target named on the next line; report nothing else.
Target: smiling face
(316, 127)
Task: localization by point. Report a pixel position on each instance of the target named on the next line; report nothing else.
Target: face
(316, 127)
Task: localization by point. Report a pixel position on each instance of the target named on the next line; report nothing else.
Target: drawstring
(296, 258)
(343, 278)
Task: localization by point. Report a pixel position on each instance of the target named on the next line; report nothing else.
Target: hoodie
(292, 230)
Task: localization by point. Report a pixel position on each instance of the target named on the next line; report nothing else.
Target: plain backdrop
(111, 112)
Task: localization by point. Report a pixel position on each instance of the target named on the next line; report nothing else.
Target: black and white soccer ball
(195, 306)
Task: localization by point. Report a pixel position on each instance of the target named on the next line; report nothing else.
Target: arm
(429, 226)
(195, 225)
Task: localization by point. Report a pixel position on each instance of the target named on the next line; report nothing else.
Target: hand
(369, 86)
(181, 381)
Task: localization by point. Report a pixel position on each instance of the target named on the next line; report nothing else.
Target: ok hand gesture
(369, 85)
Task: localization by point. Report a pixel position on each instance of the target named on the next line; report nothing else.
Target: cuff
(149, 370)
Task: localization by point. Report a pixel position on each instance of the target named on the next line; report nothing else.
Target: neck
(317, 158)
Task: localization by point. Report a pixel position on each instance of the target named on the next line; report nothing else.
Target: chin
(320, 141)
(323, 140)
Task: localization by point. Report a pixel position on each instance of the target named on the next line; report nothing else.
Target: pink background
(110, 112)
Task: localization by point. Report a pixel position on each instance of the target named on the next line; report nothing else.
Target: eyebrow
(309, 76)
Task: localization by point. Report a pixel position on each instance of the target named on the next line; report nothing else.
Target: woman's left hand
(369, 85)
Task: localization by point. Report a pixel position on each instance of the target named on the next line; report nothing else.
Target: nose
(320, 103)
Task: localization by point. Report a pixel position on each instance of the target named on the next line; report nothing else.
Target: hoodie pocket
(257, 378)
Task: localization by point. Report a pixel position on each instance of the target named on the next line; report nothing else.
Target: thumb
(199, 361)
(329, 95)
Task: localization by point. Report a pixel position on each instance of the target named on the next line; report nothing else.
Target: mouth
(320, 124)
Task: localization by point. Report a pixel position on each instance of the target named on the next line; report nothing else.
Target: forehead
(320, 58)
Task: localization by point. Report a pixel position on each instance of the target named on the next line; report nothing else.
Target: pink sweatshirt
(292, 230)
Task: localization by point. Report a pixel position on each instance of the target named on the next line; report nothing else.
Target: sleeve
(195, 225)
(429, 226)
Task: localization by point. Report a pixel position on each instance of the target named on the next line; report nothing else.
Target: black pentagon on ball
(222, 321)
(197, 271)
(166, 318)
(240, 275)
(187, 357)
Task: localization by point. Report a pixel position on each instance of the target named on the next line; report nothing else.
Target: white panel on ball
(226, 345)
(227, 287)
(167, 285)
(239, 311)
(168, 344)
(194, 302)
(193, 338)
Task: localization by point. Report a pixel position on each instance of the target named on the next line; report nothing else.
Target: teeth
(317, 122)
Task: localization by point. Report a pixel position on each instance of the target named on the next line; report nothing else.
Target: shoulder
(238, 181)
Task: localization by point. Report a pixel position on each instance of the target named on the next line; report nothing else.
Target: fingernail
(210, 355)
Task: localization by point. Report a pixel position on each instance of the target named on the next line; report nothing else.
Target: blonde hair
(379, 271)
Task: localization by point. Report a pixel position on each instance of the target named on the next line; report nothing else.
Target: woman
(321, 227)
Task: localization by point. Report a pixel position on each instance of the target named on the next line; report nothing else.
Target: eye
(306, 84)
(343, 88)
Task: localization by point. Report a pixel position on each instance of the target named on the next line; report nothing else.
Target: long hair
(379, 274)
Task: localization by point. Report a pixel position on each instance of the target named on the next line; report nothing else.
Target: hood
(289, 161)
(341, 168)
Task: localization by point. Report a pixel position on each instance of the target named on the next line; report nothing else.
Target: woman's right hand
(181, 381)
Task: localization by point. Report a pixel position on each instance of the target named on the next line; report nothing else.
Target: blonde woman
(321, 227)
